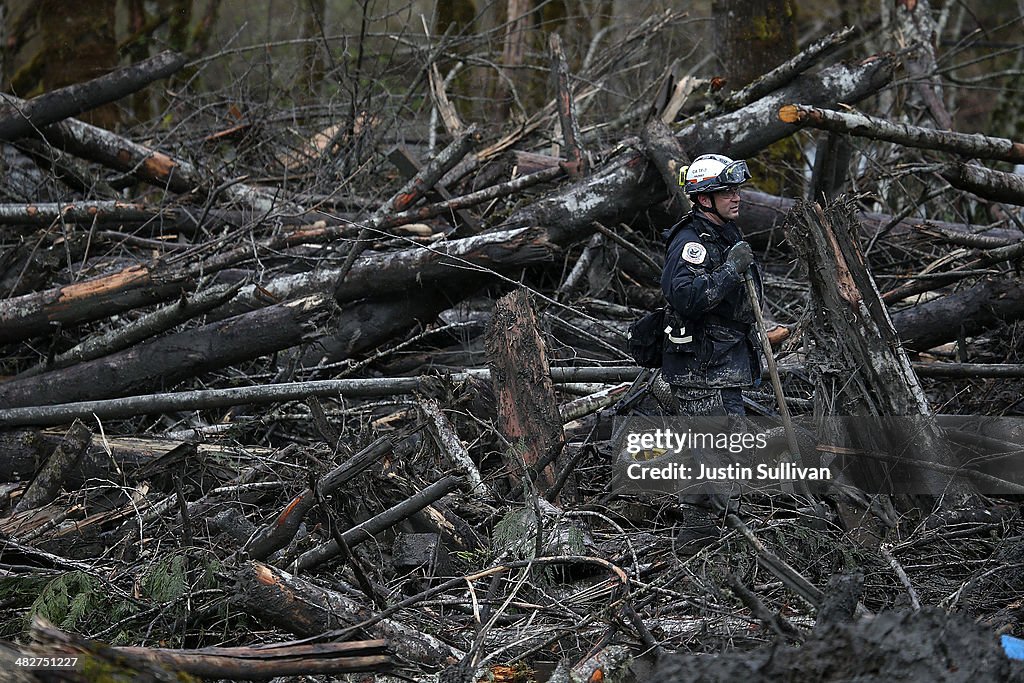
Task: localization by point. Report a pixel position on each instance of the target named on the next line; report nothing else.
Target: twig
(915, 602)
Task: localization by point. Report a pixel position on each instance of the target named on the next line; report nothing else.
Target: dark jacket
(712, 342)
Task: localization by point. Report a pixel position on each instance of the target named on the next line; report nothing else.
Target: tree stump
(855, 353)
(527, 409)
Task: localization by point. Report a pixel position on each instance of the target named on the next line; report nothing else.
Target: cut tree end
(790, 113)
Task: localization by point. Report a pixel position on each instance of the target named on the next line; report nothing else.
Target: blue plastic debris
(1014, 647)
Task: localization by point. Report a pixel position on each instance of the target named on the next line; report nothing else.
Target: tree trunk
(971, 145)
(986, 183)
(751, 37)
(167, 360)
(72, 100)
(527, 408)
(305, 609)
(960, 314)
(670, 158)
(147, 164)
(35, 314)
(509, 88)
(81, 45)
(270, 393)
(762, 214)
(51, 476)
(916, 29)
(856, 346)
(577, 164)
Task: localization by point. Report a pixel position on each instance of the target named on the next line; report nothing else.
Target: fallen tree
(169, 359)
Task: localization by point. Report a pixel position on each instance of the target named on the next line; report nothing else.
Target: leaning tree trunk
(856, 354)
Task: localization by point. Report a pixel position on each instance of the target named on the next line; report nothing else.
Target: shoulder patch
(694, 252)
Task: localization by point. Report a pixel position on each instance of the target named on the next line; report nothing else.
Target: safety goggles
(734, 174)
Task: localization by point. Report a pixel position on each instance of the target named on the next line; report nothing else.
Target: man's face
(728, 203)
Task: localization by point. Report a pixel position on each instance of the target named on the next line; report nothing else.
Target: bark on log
(270, 661)
(149, 165)
(145, 327)
(755, 126)
(527, 408)
(364, 325)
(986, 183)
(170, 359)
(51, 476)
(101, 212)
(669, 157)
(762, 215)
(970, 370)
(972, 145)
(448, 441)
(376, 524)
(72, 100)
(853, 328)
(304, 609)
(404, 271)
(272, 393)
(25, 450)
(968, 312)
(248, 663)
(33, 314)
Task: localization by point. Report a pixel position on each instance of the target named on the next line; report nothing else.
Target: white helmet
(713, 172)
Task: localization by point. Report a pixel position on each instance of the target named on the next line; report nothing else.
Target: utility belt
(681, 333)
(726, 322)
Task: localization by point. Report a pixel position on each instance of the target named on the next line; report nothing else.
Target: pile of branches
(312, 419)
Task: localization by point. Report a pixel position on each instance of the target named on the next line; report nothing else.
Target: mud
(929, 645)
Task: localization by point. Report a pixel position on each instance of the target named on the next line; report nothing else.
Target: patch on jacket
(694, 252)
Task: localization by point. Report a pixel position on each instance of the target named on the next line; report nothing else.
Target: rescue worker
(711, 352)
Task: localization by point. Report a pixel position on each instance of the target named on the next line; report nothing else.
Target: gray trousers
(694, 401)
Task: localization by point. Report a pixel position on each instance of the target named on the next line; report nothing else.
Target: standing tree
(750, 38)
(80, 44)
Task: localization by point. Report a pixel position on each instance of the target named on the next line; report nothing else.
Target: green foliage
(66, 600)
(516, 533)
(80, 602)
(17, 593)
(573, 541)
(166, 580)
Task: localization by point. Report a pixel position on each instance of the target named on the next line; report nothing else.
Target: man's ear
(704, 200)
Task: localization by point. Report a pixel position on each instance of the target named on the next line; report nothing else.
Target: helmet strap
(714, 207)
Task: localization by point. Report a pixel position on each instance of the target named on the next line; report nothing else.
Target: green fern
(516, 533)
(66, 600)
(166, 580)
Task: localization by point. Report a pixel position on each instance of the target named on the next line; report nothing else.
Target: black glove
(740, 257)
